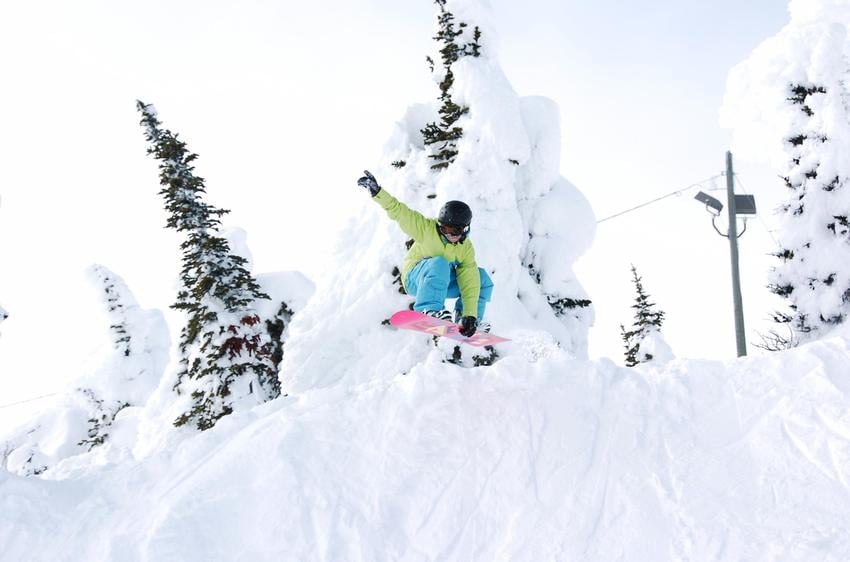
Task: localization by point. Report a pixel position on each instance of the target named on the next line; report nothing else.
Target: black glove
(468, 325)
(369, 182)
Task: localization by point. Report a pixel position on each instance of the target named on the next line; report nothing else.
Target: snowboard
(416, 321)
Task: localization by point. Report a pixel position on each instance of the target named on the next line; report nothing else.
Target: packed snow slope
(546, 459)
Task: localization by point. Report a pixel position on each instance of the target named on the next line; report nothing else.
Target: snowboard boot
(439, 314)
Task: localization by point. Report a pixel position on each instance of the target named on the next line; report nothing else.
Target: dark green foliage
(560, 305)
(563, 305)
(488, 358)
(800, 92)
(224, 344)
(275, 328)
(646, 320)
(399, 164)
(115, 307)
(631, 349)
(445, 134)
(101, 420)
(456, 357)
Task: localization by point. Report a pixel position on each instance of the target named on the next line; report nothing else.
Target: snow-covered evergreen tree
(815, 234)
(226, 350)
(456, 41)
(84, 417)
(789, 101)
(115, 296)
(646, 325)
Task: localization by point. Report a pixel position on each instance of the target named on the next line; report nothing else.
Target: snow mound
(557, 459)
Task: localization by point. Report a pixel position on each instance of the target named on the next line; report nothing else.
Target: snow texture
(553, 459)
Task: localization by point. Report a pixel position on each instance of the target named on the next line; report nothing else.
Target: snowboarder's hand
(369, 182)
(468, 325)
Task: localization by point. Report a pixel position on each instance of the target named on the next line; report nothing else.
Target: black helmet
(455, 213)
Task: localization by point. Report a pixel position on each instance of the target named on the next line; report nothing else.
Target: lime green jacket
(428, 243)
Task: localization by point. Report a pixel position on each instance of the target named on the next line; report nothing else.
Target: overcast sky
(286, 102)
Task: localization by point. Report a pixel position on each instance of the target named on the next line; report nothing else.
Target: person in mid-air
(441, 262)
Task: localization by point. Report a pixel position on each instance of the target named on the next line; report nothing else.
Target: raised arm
(413, 223)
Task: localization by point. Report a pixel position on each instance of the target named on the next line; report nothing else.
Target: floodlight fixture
(709, 201)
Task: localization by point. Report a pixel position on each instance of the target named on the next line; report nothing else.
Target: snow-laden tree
(812, 273)
(131, 374)
(643, 342)
(789, 101)
(99, 403)
(226, 351)
(115, 295)
(456, 40)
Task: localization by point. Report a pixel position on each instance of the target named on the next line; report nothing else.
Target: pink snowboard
(412, 320)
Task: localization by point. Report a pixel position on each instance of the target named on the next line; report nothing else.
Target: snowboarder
(441, 262)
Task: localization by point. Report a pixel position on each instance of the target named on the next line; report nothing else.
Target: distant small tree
(445, 134)
(226, 350)
(646, 321)
(115, 296)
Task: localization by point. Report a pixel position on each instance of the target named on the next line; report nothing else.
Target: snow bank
(554, 459)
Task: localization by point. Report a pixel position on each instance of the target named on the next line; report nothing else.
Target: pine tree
(445, 134)
(226, 351)
(647, 320)
(815, 232)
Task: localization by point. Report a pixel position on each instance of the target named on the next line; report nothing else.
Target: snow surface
(554, 459)
(383, 451)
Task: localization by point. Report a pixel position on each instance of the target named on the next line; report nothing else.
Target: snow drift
(557, 459)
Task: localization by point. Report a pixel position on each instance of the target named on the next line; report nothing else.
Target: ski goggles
(448, 230)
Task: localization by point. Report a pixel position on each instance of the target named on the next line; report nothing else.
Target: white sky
(286, 102)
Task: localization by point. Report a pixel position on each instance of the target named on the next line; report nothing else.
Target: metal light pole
(736, 205)
(740, 337)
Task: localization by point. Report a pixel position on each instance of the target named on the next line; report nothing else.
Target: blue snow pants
(433, 280)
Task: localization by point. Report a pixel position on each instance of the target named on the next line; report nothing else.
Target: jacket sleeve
(411, 222)
(469, 283)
